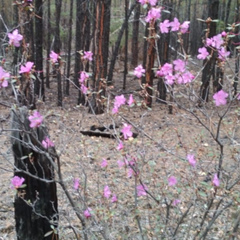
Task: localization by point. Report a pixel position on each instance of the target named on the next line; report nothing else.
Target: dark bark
(26, 89)
(163, 51)
(135, 34)
(48, 43)
(227, 11)
(145, 46)
(101, 34)
(117, 46)
(150, 64)
(39, 82)
(36, 208)
(209, 69)
(126, 47)
(57, 47)
(69, 47)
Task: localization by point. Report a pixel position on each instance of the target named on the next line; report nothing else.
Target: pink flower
(179, 65)
(126, 131)
(166, 69)
(104, 163)
(141, 190)
(220, 98)
(191, 159)
(17, 181)
(216, 181)
(47, 143)
(151, 2)
(35, 119)
(76, 183)
(203, 53)
(176, 202)
(114, 198)
(153, 14)
(223, 53)
(115, 110)
(238, 96)
(172, 181)
(83, 77)
(15, 38)
(107, 193)
(175, 25)
(87, 213)
(130, 100)
(164, 26)
(170, 79)
(119, 100)
(3, 76)
(27, 68)
(88, 55)
(120, 146)
(54, 57)
(187, 77)
(184, 27)
(217, 41)
(84, 89)
(139, 71)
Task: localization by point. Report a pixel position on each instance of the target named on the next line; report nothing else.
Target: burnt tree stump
(36, 210)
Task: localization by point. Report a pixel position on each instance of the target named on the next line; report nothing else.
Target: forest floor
(162, 140)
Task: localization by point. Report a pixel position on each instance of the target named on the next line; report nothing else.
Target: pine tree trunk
(209, 69)
(117, 46)
(126, 47)
(100, 51)
(57, 47)
(69, 47)
(39, 82)
(135, 34)
(48, 43)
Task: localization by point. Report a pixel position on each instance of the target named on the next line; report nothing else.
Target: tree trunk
(69, 48)
(163, 53)
(150, 64)
(36, 207)
(227, 11)
(26, 88)
(39, 82)
(208, 71)
(48, 43)
(57, 47)
(126, 47)
(135, 34)
(100, 51)
(117, 45)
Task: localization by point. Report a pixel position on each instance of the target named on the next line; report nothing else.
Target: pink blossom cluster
(17, 181)
(83, 81)
(217, 43)
(15, 38)
(26, 68)
(121, 100)
(181, 75)
(153, 14)
(139, 71)
(129, 162)
(175, 25)
(54, 57)
(47, 143)
(3, 78)
(141, 190)
(151, 2)
(220, 98)
(35, 119)
(88, 55)
(107, 194)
